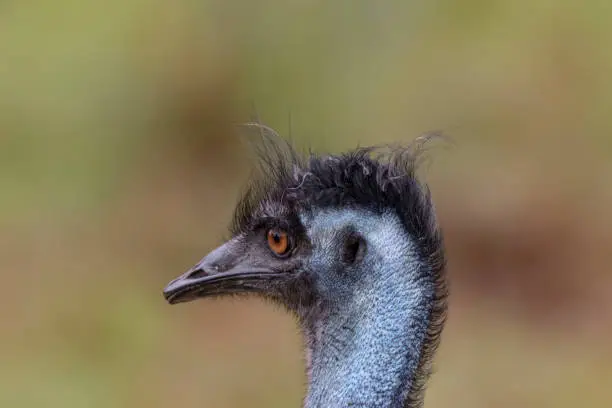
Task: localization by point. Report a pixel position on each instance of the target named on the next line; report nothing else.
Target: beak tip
(176, 292)
(172, 289)
(170, 293)
(167, 296)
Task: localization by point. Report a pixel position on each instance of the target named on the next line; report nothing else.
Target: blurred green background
(119, 169)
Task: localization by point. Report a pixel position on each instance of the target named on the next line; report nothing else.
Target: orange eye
(278, 241)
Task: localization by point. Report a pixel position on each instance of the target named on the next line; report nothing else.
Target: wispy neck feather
(374, 349)
(370, 360)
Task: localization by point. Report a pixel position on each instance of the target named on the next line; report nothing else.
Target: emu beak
(212, 276)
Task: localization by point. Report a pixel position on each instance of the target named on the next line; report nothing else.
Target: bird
(349, 244)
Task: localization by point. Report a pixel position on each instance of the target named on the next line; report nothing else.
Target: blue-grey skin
(365, 273)
(365, 347)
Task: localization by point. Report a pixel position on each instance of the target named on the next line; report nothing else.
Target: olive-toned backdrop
(119, 170)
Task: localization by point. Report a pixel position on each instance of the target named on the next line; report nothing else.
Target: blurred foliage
(119, 168)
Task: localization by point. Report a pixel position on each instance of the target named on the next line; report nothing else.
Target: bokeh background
(119, 169)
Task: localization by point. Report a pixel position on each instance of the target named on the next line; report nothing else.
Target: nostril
(198, 272)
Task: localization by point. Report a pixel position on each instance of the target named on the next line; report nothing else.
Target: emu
(350, 245)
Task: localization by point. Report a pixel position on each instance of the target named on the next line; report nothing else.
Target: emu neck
(366, 353)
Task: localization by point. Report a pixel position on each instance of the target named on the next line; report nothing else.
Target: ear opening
(354, 249)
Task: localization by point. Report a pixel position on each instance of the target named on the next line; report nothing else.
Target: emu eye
(278, 241)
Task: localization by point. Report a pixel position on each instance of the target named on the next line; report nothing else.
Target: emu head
(349, 243)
